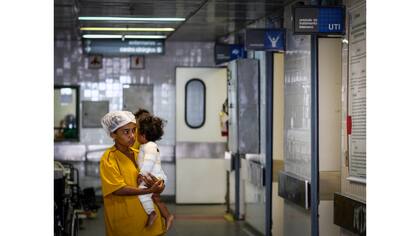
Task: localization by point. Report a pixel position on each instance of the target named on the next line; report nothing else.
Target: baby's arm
(165, 179)
(150, 158)
(159, 173)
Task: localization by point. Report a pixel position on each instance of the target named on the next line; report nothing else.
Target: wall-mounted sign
(265, 39)
(357, 94)
(228, 52)
(92, 112)
(319, 20)
(95, 61)
(294, 189)
(117, 47)
(136, 62)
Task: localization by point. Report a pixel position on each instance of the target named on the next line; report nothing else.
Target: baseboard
(168, 198)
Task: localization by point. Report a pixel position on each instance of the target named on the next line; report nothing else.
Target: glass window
(195, 103)
(66, 113)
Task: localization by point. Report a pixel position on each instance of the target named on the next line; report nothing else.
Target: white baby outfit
(149, 162)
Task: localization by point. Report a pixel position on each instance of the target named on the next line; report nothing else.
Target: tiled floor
(190, 220)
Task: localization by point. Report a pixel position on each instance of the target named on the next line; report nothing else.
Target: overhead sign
(319, 20)
(228, 52)
(117, 47)
(265, 39)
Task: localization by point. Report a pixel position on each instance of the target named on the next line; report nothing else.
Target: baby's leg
(151, 219)
(169, 218)
(147, 203)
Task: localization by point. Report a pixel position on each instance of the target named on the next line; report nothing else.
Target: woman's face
(125, 135)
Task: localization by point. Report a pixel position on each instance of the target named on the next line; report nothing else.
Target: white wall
(329, 63)
(329, 74)
(278, 145)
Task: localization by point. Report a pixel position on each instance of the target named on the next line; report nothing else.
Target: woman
(124, 215)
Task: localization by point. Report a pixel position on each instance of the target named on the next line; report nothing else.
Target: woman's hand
(149, 180)
(139, 179)
(157, 187)
(160, 190)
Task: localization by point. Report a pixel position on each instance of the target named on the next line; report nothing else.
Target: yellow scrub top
(124, 215)
(136, 144)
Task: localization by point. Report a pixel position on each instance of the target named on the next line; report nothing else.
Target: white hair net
(116, 119)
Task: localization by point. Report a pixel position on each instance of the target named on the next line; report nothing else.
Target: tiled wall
(71, 68)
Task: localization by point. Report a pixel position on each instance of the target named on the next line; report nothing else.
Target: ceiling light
(102, 36)
(119, 36)
(124, 29)
(145, 36)
(128, 18)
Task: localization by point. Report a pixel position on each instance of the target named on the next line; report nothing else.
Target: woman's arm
(130, 191)
(149, 180)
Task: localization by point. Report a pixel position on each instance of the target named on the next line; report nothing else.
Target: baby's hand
(149, 178)
(153, 178)
(157, 187)
(148, 181)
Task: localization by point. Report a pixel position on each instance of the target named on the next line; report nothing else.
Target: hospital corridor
(251, 119)
(208, 118)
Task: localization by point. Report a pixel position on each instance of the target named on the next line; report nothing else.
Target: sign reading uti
(319, 20)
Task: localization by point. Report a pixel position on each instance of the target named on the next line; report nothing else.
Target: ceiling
(206, 20)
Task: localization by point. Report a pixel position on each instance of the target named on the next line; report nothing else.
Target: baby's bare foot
(169, 222)
(151, 219)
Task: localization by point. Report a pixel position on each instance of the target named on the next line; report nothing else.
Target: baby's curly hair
(152, 128)
(141, 113)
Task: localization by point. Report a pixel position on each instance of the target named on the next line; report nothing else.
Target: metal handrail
(86, 160)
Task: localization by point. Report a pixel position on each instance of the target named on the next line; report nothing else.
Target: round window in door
(195, 103)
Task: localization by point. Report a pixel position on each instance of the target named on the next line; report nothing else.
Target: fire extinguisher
(224, 119)
(224, 123)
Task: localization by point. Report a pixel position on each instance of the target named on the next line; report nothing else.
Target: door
(200, 146)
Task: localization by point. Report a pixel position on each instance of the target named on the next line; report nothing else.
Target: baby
(150, 129)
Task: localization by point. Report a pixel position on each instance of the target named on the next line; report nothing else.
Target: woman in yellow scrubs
(124, 214)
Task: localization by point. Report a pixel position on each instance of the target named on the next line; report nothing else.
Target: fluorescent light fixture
(125, 29)
(145, 36)
(118, 36)
(99, 18)
(102, 36)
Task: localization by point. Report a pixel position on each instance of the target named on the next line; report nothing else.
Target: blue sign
(319, 20)
(265, 39)
(331, 20)
(228, 52)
